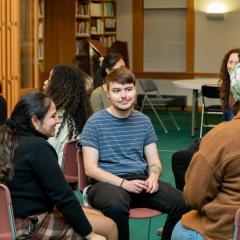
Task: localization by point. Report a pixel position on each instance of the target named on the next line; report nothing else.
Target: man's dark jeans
(115, 202)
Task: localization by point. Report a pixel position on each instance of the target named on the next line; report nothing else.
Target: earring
(36, 127)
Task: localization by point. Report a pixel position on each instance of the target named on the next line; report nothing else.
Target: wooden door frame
(138, 44)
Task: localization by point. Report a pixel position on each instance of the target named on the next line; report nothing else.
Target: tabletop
(195, 83)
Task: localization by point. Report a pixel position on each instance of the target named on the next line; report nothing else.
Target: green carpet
(167, 144)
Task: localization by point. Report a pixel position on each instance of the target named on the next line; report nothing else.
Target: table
(195, 85)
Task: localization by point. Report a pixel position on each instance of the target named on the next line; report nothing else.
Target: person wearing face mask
(235, 88)
(99, 99)
(212, 180)
(181, 159)
(231, 58)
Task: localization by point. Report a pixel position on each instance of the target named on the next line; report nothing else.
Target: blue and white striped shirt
(120, 141)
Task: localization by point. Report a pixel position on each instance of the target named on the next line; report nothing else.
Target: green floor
(167, 144)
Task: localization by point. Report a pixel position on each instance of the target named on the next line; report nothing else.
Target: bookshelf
(95, 19)
(41, 14)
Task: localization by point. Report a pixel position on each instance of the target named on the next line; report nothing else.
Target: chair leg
(202, 117)
(159, 119)
(143, 102)
(149, 228)
(174, 120)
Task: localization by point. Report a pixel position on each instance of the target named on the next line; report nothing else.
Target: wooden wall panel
(3, 46)
(10, 49)
(59, 32)
(13, 58)
(138, 29)
(190, 22)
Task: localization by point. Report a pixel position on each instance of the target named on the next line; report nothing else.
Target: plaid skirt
(45, 226)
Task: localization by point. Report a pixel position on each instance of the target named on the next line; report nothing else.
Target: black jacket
(39, 184)
(3, 110)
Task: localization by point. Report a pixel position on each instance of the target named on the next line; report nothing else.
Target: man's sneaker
(159, 231)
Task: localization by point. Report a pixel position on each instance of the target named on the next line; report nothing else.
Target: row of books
(82, 28)
(40, 51)
(41, 66)
(107, 41)
(40, 30)
(97, 8)
(81, 9)
(109, 24)
(97, 26)
(108, 9)
(41, 8)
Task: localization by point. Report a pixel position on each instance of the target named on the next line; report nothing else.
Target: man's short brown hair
(121, 75)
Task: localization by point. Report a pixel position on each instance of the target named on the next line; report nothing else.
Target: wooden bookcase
(64, 26)
(59, 33)
(95, 19)
(18, 49)
(41, 11)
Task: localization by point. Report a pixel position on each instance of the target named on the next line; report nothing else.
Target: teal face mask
(235, 82)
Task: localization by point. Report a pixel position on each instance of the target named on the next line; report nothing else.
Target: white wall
(124, 24)
(212, 38)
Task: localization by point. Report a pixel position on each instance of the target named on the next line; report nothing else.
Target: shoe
(159, 231)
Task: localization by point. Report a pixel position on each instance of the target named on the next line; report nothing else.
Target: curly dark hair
(224, 78)
(66, 87)
(108, 62)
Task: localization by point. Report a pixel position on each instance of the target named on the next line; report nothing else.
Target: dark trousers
(115, 202)
(181, 161)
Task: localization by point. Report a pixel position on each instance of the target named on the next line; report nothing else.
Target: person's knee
(116, 209)
(110, 229)
(181, 159)
(113, 230)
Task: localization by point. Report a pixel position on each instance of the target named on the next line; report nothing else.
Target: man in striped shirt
(121, 158)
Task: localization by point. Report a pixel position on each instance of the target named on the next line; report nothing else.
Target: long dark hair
(107, 62)
(67, 89)
(224, 78)
(32, 104)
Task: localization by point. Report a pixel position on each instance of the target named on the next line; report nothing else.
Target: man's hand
(152, 183)
(135, 186)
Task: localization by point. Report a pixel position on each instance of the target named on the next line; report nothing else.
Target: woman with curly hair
(230, 59)
(66, 87)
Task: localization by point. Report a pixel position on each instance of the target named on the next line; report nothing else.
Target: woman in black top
(3, 107)
(44, 206)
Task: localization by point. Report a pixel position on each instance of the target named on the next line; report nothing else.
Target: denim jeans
(182, 233)
(227, 114)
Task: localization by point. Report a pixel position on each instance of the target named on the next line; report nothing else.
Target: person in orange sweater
(212, 181)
